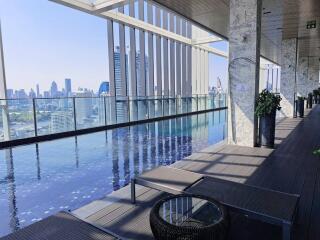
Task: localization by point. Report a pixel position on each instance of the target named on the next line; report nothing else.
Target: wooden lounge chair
(258, 203)
(63, 225)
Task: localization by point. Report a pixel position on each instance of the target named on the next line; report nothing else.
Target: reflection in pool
(38, 180)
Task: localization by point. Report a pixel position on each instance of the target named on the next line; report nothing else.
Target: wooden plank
(291, 168)
(63, 225)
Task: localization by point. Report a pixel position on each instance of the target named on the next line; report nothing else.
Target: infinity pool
(38, 180)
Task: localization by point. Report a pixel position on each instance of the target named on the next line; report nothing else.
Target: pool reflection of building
(131, 150)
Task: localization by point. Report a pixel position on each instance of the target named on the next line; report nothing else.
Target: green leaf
(266, 103)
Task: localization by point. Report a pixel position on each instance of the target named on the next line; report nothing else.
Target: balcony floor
(291, 168)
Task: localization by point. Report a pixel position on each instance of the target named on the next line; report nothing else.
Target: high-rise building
(32, 93)
(121, 106)
(67, 87)
(104, 89)
(20, 94)
(38, 91)
(83, 105)
(10, 93)
(54, 89)
(61, 121)
(46, 94)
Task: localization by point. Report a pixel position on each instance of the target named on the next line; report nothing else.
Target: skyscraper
(121, 106)
(67, 87)
(10, 93)
(46, 94)
(32, 94)
(104, 88)
(83, 106)
(38, 90)
(54, 89)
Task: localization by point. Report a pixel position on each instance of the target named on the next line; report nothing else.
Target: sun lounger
(258, 203)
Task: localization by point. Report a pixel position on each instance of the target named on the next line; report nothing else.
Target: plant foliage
(267, 102)
(316, 152)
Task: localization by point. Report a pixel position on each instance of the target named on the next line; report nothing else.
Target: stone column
(244, 62)
(308, 75)
(313, 73)
(288, 76)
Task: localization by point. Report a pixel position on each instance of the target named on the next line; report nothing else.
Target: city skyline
(54, 91)
(49, 42)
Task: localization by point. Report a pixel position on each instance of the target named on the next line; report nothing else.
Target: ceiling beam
(206, 40)
(136, 23)
(101, 6)
(76, 4)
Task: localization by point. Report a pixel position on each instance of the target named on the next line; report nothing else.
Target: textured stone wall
(288, 71)
(244, 62)
(314, 68)
(308, 75)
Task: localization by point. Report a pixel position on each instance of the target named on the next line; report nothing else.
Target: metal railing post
(128, 109)
(225, 100)
(148, 110)
(206, 104)
(177, 104)
(162, 106)
(105, 111)
(197, 102)
(34, 117)
(74, 113)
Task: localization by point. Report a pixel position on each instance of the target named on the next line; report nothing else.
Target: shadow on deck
(290, 168)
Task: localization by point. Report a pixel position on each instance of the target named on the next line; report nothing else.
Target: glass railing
(43, 116)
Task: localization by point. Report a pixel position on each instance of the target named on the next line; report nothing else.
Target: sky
(44, 42)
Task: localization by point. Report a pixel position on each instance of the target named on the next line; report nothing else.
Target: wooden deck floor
(291, 168)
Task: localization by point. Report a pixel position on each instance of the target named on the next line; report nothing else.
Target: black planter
(267, 130)
(300, 107)
(309, 101)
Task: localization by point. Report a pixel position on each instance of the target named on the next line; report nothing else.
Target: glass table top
(189, 211)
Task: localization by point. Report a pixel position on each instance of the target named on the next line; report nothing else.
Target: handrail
(44, 116)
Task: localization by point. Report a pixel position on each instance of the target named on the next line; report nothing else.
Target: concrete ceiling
(281, 19)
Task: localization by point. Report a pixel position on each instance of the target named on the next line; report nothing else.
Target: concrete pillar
(150, 52)
(189, 62)
(307, 79)
(178, 58)
(122, 44)
(142, 81)
(172, 59)
(183, 60)
(206, 72)
(3, 94)
(244, 64)
(194, 56)
(133, 69)
(111, 57)
(158, 54)
(289, 54)
(165, 56)
(313, 73)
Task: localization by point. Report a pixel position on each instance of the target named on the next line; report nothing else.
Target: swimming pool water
(38, 180)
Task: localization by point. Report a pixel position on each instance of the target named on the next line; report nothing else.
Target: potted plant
(309, 101)
(300, 106)
(316, 152)
(267, 105)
